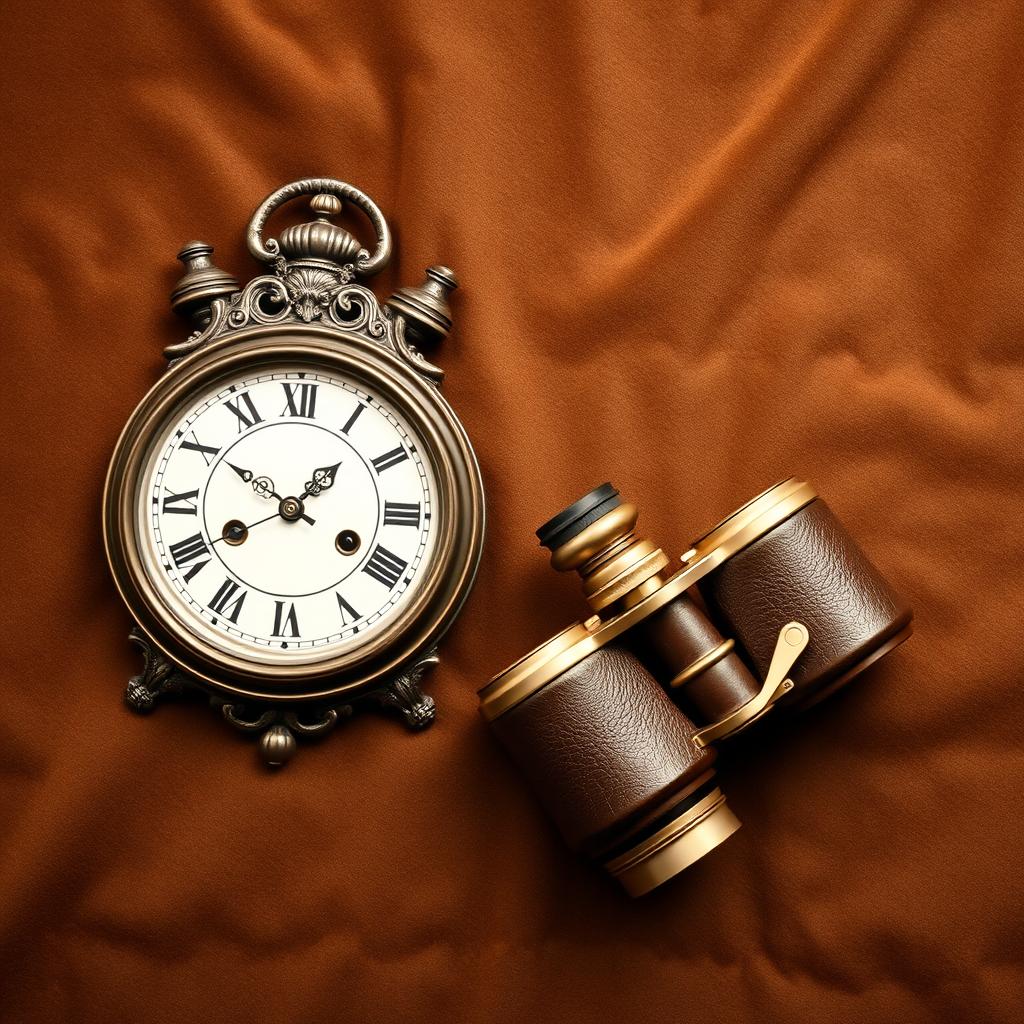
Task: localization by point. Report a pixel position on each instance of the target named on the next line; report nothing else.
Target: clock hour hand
(264, 487)
(323, 478)
(245, 474)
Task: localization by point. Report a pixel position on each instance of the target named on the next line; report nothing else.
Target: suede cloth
(703, 246)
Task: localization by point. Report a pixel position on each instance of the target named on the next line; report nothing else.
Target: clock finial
(202, 282)
(320, 239)
(326, 205)
(425, 307)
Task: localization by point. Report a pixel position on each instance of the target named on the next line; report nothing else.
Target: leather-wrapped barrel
(785, 556)
(699, 667)
(611, 758)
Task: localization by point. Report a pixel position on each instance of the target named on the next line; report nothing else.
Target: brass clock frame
(308, 312)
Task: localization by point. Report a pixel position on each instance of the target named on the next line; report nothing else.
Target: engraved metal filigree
(312, 280)
(217, 314)
(355, 308)
(264, 300)
(279, 726)
(310, 291)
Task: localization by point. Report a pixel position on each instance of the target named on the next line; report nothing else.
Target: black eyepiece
(578, 516)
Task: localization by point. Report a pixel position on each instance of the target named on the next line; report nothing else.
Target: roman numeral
(401, 513)
(389, 459)
(385, 567)
(183, 504)
(347, 611)
(301, 399)
(351, 422)
(281, 620)
(225, 603)
(191, 549)
(208, 453)
(247, 416)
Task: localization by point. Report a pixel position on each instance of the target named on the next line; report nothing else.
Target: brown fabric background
(704, 245)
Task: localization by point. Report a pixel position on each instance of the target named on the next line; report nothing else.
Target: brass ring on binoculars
(676, 846)
(752, 520)
(703, 663)
(572, 645)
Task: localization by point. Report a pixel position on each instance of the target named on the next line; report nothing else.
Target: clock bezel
(460, 512)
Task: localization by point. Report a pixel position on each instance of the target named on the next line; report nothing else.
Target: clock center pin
(291, 509)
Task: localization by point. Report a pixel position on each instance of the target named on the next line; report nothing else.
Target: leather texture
(602, 746)
(674, 638)
(811, 570)
(702, 246)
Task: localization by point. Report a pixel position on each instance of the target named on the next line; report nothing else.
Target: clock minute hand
(239, 531)
(323, 478)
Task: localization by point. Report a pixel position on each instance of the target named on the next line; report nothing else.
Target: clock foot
(158, 676)
(404, 694)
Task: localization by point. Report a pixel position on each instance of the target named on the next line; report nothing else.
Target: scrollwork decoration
(279, 726)
(158, 677)
(197, 339)
(264, 300)
(412, 355)
(355, 308)
(404, 695)
(312, 280)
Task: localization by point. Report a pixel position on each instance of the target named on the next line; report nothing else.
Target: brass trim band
(602, 594)
(703, 663)
(676, 846)
(753, 520)
(538, 668)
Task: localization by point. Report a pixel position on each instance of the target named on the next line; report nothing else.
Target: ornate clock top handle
(320, 239)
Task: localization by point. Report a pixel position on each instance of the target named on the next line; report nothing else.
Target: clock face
(287, 515)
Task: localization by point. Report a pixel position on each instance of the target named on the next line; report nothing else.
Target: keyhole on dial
(347, 542)
(234, 532)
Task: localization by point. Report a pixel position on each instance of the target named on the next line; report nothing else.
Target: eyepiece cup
(571, 521)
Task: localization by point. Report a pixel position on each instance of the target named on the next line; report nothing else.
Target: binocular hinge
(793, 639)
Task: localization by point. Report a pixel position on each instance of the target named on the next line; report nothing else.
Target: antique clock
(293, 514)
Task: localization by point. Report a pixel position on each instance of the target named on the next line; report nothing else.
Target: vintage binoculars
(613, 719)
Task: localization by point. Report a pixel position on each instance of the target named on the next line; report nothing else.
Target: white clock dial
(287, 515)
